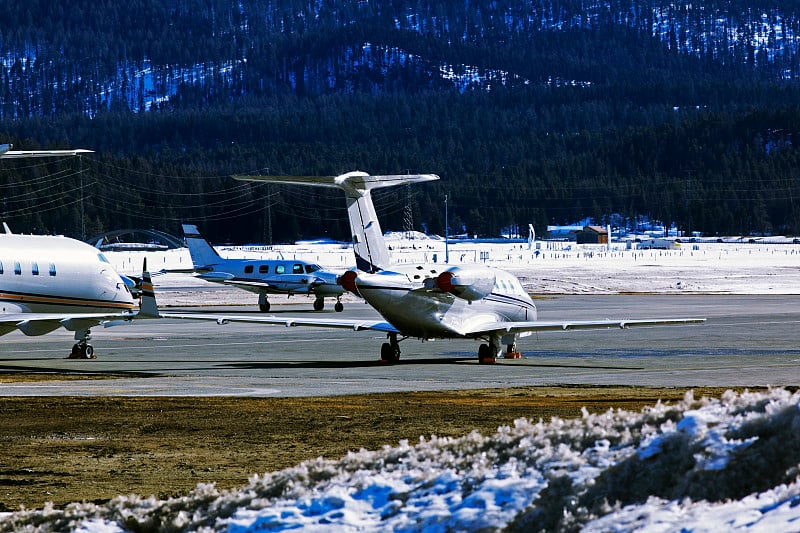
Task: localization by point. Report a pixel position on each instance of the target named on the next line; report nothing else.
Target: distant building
(592, 235)
(658, 244)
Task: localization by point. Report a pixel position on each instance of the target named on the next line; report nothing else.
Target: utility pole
(446, 232)
(408, 220)
(268, 211)
(83, 213)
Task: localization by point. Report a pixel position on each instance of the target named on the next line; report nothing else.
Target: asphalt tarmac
(748, 341)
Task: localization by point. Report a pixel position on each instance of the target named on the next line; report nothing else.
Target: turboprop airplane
(48, 282)
(427, 301)
(263, 276)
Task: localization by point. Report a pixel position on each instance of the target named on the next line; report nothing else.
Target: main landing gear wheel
(512, 353)
(82, 350)
(263, 303)
(390, 351)
(319, 304)
(486, 356)
(338, 307)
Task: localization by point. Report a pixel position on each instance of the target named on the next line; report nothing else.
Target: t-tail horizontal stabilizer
(6, 152)
(370, 250)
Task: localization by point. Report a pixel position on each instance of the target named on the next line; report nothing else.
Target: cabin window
(263, 269)
(17, 268)
(52, 269)
(35, 269)
(297, 269)
(280, 269)
(248, 269)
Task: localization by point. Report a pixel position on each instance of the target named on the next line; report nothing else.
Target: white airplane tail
(203, 254)
(148, 307)
(370, 249)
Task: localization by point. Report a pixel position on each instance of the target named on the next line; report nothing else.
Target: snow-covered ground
(728, 464)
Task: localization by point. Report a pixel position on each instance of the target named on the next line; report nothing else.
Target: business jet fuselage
(45, 274)
(440, 309)
(47, 282)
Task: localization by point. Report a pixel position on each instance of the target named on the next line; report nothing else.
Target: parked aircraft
(427, 301)
(263, 276)
(49, 282)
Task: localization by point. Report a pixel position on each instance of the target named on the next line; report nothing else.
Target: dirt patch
(91, 449)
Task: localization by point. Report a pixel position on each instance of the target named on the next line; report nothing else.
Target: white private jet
(267, 276)
(48, 282)
(427, 301)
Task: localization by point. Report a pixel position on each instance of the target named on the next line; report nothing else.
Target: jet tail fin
(202, 252)
(372, 254)
(148, 307)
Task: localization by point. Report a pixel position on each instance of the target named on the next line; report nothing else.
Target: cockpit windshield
(102, 258)
(312, 268)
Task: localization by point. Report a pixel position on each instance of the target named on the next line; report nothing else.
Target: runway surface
(748, 341)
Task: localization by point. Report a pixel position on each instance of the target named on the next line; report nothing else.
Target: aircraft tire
(88, 351)
(76, 352)
(389, 354)
(319, 304)
(485, 355)
(264, 308)
(338, 307)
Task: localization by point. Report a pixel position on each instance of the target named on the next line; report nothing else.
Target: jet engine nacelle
(470, 283)
(348, 282)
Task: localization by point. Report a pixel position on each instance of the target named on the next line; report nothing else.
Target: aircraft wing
(355, 325)
(255, 284)
(565, 325)
(7, 153)
(477, 331)
(33, 324)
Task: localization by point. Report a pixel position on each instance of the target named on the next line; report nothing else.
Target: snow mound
(699, 465)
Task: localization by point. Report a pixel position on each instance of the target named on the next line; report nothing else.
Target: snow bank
(699, 465)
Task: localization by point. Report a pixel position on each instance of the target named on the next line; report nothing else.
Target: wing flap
(355, 325)
(566, 325)
(249, 284)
